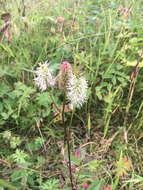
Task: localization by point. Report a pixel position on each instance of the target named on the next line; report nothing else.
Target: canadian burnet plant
(72, 86)
(75, 87)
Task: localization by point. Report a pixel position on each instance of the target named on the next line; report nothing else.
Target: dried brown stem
(133, 76)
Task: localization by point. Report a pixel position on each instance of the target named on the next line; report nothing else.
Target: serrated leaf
(44, 99)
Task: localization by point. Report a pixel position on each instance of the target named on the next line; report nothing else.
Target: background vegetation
(102, 39)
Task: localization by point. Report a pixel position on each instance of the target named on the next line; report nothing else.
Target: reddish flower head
(64, 75)
(65, 66)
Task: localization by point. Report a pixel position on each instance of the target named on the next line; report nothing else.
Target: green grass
(101, 39)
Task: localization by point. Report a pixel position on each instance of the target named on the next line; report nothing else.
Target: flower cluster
(44, 77)
(74, 86)
(77, 91)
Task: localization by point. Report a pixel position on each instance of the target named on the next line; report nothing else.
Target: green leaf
(5, 183)
(135, 40)
(86, 174)
(98, 93)
(23, 90)
(51, 184)
(7, 49)
(1, 107)
(94, 165)
(19, 174)
(5, 115)
(95, 186)
(35, 145)
(44, 99)
(4, 89)
(133, 63)
(19, 156)
(75, 160)
(46, 112)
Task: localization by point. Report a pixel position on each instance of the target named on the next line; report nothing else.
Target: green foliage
(8, 185)
(95, 186)
(36, 144)
(51, 184)
(103, 40)
(19, 156)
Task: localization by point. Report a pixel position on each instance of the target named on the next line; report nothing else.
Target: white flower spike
(44, 77)
(77, 91)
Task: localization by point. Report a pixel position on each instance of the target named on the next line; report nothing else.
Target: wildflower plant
(74, 89)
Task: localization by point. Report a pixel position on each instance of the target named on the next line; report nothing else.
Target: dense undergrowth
(101, 39)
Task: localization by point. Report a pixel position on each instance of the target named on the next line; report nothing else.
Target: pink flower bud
(64, 75)
(60, 19)
(65, 66)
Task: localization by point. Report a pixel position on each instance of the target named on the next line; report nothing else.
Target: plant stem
(63, 120)
(69, 164)
(69, 157)
(67, 139)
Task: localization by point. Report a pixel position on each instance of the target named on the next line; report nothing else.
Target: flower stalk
(67, 140)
